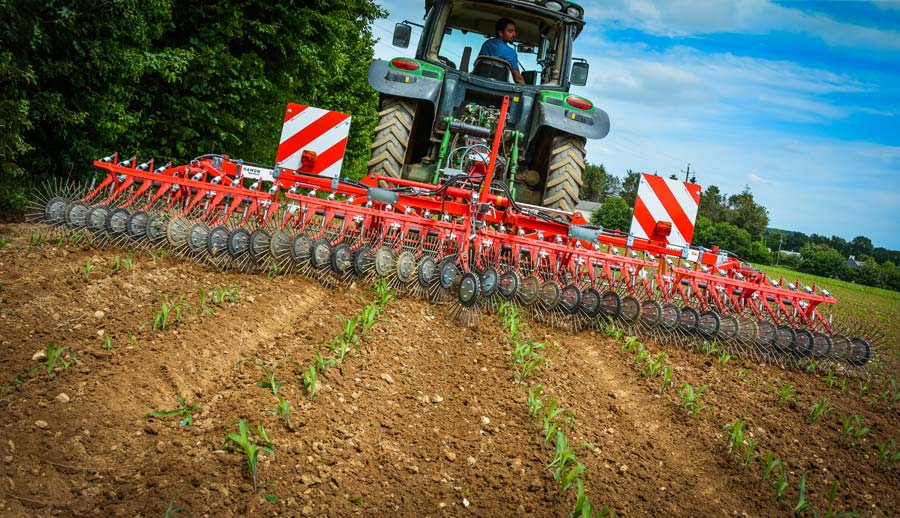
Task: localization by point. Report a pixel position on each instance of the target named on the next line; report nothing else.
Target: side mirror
(402, 33)
(579, 73)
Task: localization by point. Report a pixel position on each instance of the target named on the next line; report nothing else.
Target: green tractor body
(438, 108)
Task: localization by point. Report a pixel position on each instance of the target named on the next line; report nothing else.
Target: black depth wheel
(590, 302)
(116, 221)
(363, 261)
(488, 281)
(341, 259)
(529, 290)
(469, 289)
(570, 299)
(426, 271)
(238, 242)
(508, 285)
(669, 317)
(448, 273)
(611, 305)
(550, 295)
(651, 313)
(198, 237)
(217, 241)
(136, 226)
(55, 211)
(631, 309)
(688, 320)
(259, 244)
(321, 254)
(76, 215)
(406, 266)
(301, 248)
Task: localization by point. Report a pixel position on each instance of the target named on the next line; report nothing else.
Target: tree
(712, 205)
(174, 78)
(613, 214)
(630, 187)
(594, 179)
(745, 213)
(823, 260)
(860, 245)
(611, 187)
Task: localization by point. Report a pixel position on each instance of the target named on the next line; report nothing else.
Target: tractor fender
(593, 125)
(399, 83)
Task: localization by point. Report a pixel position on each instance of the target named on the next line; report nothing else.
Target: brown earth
(425, 421)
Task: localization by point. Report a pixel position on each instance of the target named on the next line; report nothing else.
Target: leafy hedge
(173, 79)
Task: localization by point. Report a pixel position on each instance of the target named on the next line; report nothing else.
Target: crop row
(555, 421)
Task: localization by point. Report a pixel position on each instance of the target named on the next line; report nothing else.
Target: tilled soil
(425, 419)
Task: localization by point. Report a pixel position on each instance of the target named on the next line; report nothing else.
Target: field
(420, 417)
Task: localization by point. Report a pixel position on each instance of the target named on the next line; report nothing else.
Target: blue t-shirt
(497, 48)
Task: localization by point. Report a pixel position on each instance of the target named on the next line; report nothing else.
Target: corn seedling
(534, 401)
(75, 239)
(88, 268)
(781, 483)
(724, 358)
(184, 411)
(107, 343)
(169, 313)
(853, 429)
(550, 426)
(630, 344)
(310, 377)
(248, 447)
(570, 476)
(272, 270)
(785, 393)
(735, 434)
(3, 242)
(709, 348)
(322, 363)
(120, 264)
(667, 381)
(748, 455)
(283, 409)
(384, 293)
(831, 378)
(564, 456)
(654, 366)
(811, 365)
(888, 455)
(367, 318)
(769, 463)
(172, 511)
(584, 508)
(803, 505)
(819, 410)
(220, 295)
(17, 383)
(268, 381)
(204, 309)
(832, 496)
(55, 359)
(691, 398)
(641, 355)
(613, 332)
(35, 240)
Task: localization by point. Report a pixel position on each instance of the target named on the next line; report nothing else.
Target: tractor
(435, 109)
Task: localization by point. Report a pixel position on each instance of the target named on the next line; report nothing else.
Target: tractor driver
(498, 46)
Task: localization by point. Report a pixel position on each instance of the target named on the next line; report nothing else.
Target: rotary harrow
(462, 239)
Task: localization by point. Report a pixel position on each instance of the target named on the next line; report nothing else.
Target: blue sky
(800, 101)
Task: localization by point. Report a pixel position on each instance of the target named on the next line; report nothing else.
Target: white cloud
(697, 17)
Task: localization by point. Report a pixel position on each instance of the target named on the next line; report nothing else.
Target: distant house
(586, 208)
(853, 263)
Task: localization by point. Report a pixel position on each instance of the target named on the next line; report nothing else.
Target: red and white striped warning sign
(313, 130)
(663, 200)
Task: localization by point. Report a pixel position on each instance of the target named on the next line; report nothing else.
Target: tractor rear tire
(390, 147)
(564, 172)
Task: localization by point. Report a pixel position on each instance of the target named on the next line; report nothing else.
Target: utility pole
(778, 255)
(687, 173)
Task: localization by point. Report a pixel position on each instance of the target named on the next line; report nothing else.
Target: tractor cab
(456, 31)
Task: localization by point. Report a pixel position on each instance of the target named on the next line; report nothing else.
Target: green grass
(857, 303)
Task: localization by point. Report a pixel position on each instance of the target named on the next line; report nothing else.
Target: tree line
(738, 224)
(173, 79)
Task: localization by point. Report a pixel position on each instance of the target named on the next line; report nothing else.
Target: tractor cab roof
(481, 15)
